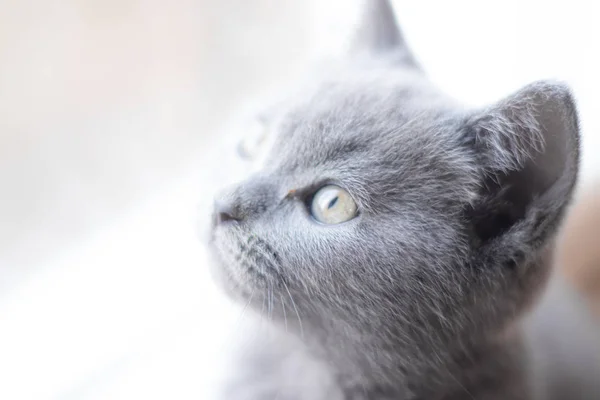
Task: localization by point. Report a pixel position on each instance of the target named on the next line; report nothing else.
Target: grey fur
(427, 293)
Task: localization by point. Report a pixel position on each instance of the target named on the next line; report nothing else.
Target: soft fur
(427, 293)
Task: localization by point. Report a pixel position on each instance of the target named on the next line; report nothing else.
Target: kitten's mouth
(247, 260)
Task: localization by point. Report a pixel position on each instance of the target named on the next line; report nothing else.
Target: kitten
(399, 243)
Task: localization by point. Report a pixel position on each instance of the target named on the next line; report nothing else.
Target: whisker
(295, 309)
(238, 320)
(257, 332)
(262, 310)
(461, 385)
(284, 313)
(243, 311)
(270, 303)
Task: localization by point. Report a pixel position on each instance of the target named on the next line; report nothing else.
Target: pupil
(332, 202)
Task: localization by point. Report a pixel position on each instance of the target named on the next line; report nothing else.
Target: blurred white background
(110, 116)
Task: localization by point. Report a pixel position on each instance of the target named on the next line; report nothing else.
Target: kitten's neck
(486, 373)
(487, 370)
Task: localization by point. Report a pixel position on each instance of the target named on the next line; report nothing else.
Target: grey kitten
(399, 241)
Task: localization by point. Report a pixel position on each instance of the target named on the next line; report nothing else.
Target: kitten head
(389, 215)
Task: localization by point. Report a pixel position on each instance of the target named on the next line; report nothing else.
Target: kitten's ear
(527, 147)
(378, 34)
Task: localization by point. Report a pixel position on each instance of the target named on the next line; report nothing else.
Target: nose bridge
(249, 198)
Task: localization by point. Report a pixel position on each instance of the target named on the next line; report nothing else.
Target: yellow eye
(333, 205)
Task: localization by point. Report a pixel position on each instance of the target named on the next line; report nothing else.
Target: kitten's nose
(245, 201)
(225, 211)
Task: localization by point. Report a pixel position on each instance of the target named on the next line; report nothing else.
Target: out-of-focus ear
(527, 148)
(378, 34)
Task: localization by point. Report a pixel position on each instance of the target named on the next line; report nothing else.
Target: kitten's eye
(333, 205)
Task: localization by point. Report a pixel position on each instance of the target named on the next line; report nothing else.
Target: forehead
(363, 117)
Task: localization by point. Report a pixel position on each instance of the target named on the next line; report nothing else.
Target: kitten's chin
(225, 280)
(238, 268)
